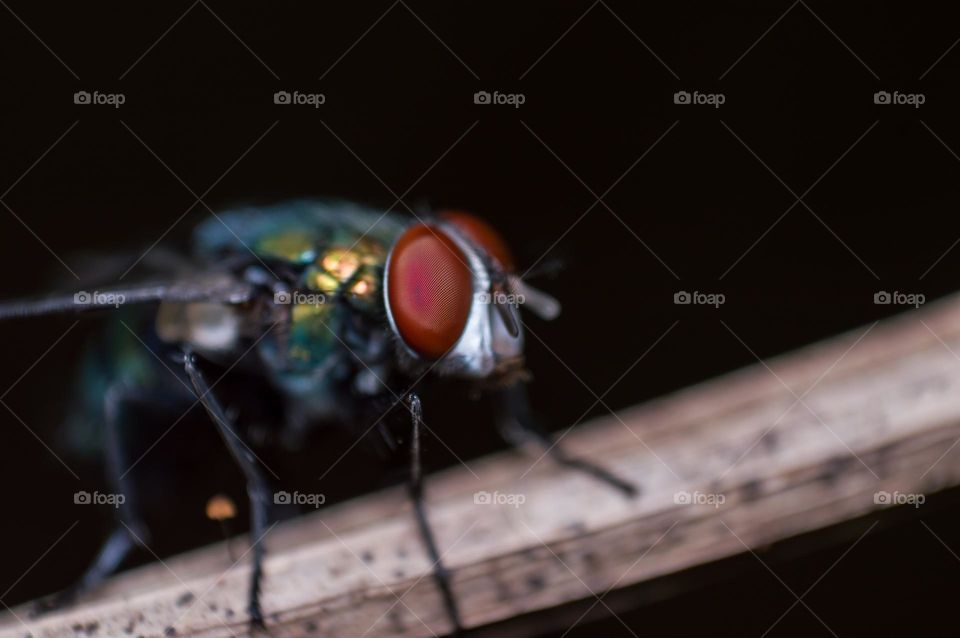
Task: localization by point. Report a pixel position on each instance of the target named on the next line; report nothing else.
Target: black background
(399, 115)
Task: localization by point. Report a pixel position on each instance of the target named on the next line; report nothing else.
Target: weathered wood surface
(879, 410)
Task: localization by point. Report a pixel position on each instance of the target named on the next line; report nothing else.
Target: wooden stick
(863, 421)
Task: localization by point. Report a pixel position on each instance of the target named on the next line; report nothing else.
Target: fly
(342, 308)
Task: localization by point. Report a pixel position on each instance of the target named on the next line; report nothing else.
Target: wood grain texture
(789, 445)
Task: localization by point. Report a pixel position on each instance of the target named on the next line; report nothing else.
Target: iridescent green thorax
(338, 275)
(295, 246)
(338, 250)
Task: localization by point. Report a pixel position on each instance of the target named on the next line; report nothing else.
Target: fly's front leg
(518, 428)
(257, 487)
(415, 487)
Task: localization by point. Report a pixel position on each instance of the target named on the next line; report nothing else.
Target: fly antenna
(540, 303)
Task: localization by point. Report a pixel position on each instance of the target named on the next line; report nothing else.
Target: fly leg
(130, 530)
(518, 428)
(415, 487)
(257, 487)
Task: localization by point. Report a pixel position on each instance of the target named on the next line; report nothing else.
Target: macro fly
(331, 309)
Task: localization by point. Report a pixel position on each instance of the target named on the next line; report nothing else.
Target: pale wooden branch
(878, 412)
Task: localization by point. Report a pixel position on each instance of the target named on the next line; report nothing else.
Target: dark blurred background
(700, 207)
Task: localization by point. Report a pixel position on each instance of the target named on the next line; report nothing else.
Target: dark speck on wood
(367, 556)
(770, 441)
(228, 612)
(170, 631)
(835, 467)
(536, 582)
(185, 599)
(590, 560)
(503, 591)
(396, 622)
(751, 490)
(310, 627)
(883, 455)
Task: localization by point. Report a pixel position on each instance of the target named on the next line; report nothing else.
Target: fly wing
(212, 287)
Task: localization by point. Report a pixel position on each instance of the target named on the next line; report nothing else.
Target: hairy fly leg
(415, 487)
(257, 487)
(517, 426)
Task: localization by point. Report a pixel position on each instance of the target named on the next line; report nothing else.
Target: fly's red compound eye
(483, 235)
(429, 290)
